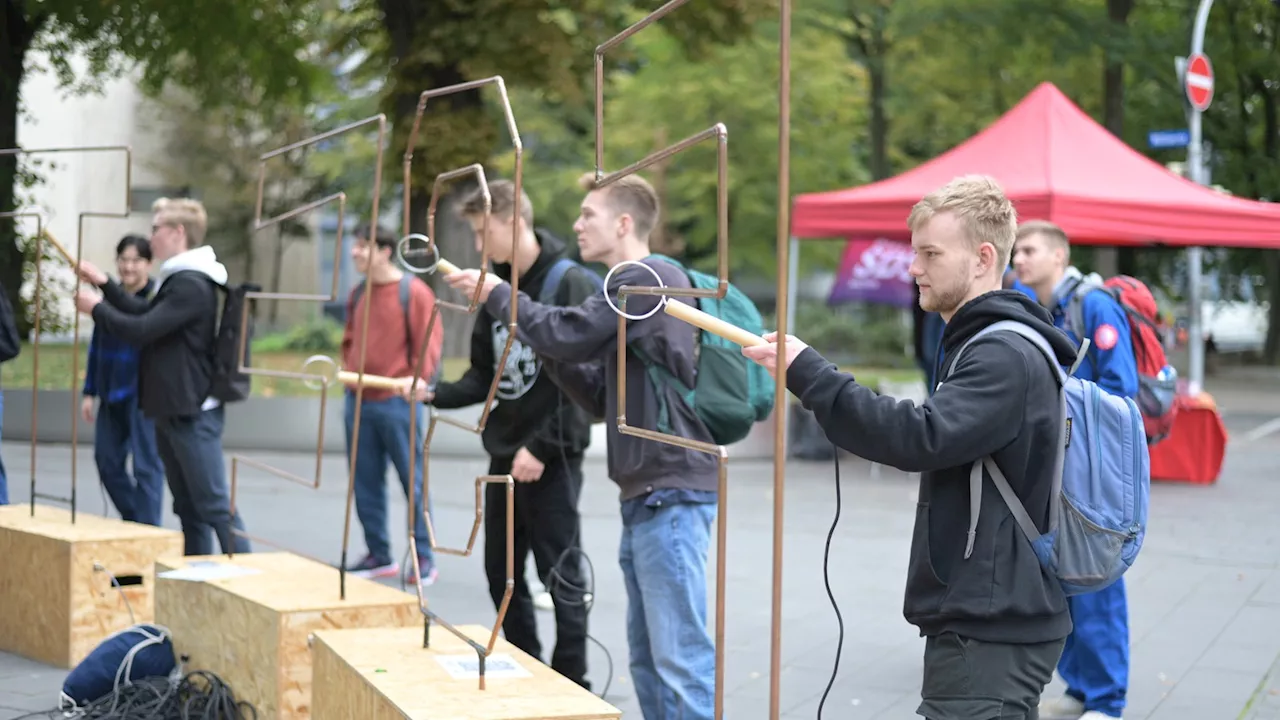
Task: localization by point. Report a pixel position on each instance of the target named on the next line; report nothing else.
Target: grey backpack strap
(1010, 498)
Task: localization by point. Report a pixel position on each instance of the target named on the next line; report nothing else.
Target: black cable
(826, 579)
(199, 695)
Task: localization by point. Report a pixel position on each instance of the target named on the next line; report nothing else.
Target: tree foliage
(248, 50)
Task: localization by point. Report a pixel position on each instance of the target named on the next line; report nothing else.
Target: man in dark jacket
(176, 331)
(995, 621)
(533, 432)
(668, 493)
(111, 383)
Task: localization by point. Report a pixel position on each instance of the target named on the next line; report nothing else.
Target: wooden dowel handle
(714, 325)
(346, 377)
(61, 249)
(446, 267)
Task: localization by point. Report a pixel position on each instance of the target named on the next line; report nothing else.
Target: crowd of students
(996, 623)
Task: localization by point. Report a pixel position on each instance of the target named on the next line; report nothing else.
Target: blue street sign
(1164, 139)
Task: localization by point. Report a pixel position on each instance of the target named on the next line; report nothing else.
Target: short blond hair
(1054, 234)
(502, 201)
(187, 212)
(980, 202)
(630, 194)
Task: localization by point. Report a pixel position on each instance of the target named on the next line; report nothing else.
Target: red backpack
(1157, 380)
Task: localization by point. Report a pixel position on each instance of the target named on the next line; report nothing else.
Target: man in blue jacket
(111, 380)
(1095, 661)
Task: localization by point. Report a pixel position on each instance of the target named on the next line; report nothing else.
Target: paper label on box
(467, 667)
(204, 570)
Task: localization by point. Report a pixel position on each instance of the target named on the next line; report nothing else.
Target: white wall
(94, 182)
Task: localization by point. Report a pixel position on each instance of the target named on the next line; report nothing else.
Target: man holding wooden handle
(400, 307)
(668, 493)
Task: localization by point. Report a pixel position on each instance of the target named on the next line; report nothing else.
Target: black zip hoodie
(531, 410)
(1000, 400)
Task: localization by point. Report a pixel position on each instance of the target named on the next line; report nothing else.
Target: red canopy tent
(1056, 164)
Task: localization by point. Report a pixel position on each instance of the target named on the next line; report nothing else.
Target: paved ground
(1205, 596)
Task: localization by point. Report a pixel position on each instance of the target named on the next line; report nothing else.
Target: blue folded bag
(140, 651)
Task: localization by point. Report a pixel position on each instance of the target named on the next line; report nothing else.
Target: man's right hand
(86, 409)
(420, 392)
(91, 274)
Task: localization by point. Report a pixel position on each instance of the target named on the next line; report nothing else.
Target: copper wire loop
(42, 236)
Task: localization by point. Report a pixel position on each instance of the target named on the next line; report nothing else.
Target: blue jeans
(4, 481)
(191, 449)
(1095, 660)
(384, 437)
(122, 430)
(663, 555)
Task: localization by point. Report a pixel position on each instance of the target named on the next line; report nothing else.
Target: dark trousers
(546, 522)
(191, 449)
(967, 679)
(121, 431)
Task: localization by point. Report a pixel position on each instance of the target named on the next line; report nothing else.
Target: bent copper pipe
(42, 230)
(472, 306)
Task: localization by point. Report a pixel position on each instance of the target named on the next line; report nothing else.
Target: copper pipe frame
(603, 179)
(260, 224)
(41, 229)
(482, 651)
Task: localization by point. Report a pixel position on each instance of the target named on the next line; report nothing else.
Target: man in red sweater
(392, 346)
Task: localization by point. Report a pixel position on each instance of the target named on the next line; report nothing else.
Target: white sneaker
(1065, 707)
(1095, 715)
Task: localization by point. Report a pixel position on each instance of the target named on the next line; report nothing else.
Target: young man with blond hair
(667, 493)
(533, 432)
(994, 620)
(176, 330)
(1095, 661)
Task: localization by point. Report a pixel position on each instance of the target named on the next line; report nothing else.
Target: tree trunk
(277, 270)
(15, 39)
(879, 119)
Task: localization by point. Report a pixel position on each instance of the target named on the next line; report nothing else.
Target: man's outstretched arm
(977, 411)
(577, 334)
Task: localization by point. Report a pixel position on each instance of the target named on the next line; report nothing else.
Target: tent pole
(1196, 167)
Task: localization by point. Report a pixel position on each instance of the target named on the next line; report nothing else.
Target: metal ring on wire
(402, 252)
(662, 299)
(330, 375)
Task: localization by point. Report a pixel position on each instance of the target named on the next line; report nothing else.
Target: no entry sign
(1199, 82)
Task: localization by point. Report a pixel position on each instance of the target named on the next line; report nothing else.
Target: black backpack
(229, 383)
(10, 341)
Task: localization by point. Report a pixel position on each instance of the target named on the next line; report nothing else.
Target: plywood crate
(386, 674)
(58, 599)
(252, 630)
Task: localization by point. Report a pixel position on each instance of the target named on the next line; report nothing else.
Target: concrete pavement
(1204, 595)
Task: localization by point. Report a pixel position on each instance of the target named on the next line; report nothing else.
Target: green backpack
(731, 393)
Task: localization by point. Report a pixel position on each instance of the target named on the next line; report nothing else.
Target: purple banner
(875, 271)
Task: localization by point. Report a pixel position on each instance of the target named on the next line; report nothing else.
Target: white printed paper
(204, 570)
(467, 667)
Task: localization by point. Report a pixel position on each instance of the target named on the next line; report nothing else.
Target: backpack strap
(998, 478)
(551, 283)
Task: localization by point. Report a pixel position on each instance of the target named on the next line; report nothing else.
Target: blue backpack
(730, 393)
(547, 293)
(1098, 511)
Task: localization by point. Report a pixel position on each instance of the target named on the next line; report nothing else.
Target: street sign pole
(1196, 167)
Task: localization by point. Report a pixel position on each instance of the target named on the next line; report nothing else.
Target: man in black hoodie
(533, 432)
(994, 621)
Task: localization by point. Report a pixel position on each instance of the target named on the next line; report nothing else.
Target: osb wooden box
(386, 674)
(58, 600)
(252, 629)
